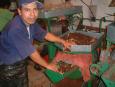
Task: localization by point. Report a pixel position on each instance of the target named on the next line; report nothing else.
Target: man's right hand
(53, 67)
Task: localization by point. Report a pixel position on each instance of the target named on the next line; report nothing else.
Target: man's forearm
(53, 38)
(35, 56)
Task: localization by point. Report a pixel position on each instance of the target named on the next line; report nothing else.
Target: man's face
(29, 13)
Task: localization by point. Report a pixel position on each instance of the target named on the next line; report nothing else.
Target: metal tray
(84, 48)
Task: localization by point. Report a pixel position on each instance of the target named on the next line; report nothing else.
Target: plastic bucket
(55, 77)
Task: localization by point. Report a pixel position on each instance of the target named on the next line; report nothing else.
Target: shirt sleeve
(39, 33)
(21, 42)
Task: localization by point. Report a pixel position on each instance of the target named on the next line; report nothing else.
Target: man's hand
(52, 67)
(67, 44)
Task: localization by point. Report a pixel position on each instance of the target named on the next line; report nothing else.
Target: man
(16, 45)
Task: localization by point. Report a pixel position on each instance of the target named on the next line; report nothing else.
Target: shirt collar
(22, 21)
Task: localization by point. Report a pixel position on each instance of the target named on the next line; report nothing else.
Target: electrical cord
(88, 7)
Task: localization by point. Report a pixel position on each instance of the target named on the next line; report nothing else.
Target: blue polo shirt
(15, 44)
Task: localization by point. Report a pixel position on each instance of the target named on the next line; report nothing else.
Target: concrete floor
(39, 79)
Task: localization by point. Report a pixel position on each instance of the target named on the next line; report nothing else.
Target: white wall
(102, 10)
